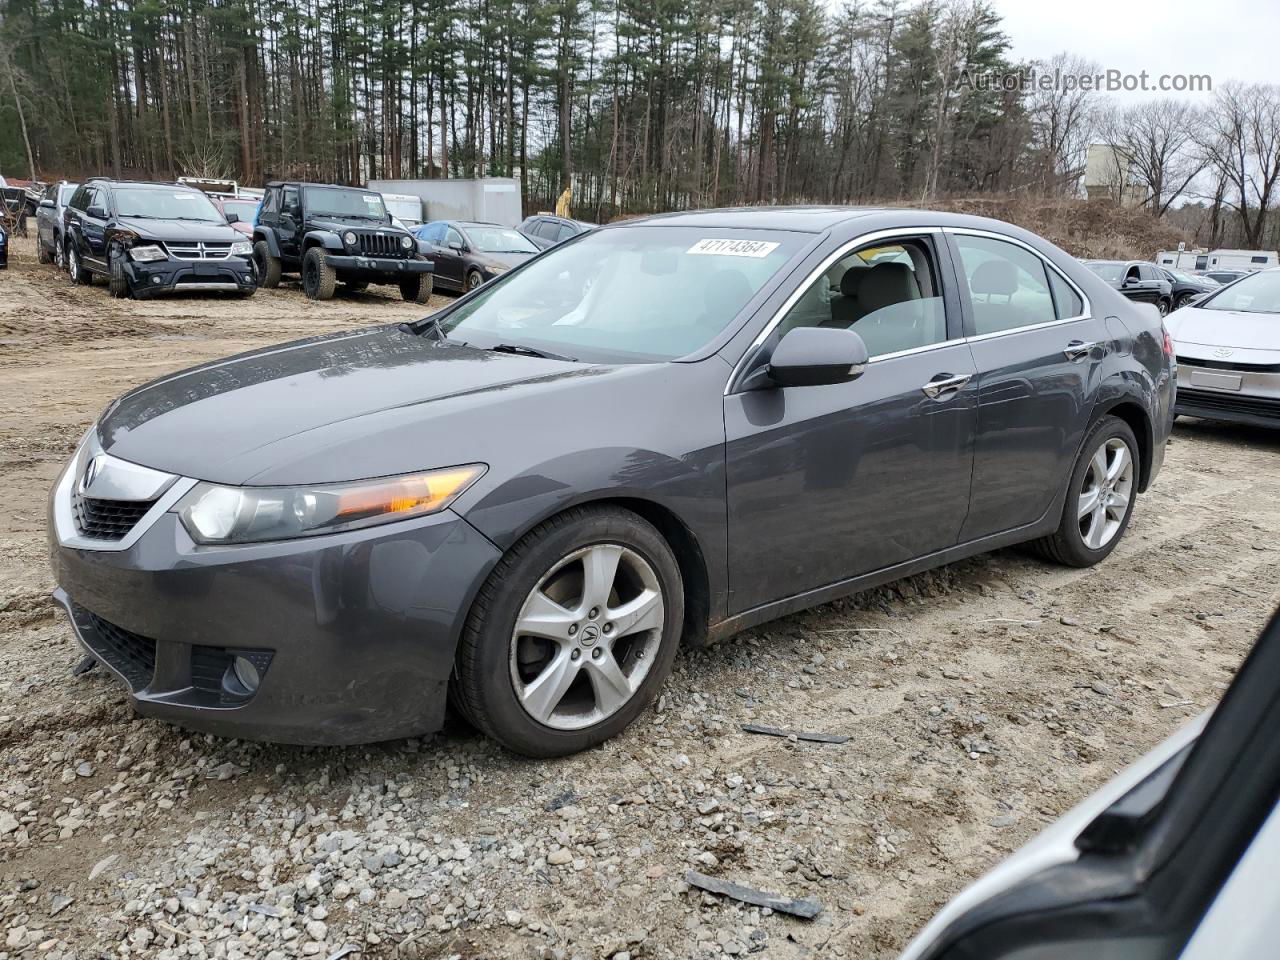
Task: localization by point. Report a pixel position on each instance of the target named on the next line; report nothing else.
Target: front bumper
(233, 275)
(1220, 392)
(353, 634)
(378, 269)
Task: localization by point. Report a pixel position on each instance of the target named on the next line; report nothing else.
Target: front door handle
(944, 385)
(1078, 350)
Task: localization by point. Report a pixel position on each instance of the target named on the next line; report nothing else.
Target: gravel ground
(981, 701)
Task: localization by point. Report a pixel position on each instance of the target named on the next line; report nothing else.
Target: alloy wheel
(1105, 493)
(473, 280)
(59, 255)
(73, 266)
(586, 636)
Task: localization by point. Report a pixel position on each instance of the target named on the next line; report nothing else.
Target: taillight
(1168, 341)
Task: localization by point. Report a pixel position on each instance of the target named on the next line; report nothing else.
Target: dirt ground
(981, 701)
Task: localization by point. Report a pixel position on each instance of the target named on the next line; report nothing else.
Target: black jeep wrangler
(331, 234)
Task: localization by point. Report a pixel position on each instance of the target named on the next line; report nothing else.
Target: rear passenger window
(1007, 285)
(1065, 297)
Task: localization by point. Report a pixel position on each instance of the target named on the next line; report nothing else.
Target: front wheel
(268, 266)
(117, 282)
(572, 634)
(318, 278)
(1104, 486)
(474, 280)
(416, 288)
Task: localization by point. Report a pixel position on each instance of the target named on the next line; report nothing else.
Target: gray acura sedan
(663, 430)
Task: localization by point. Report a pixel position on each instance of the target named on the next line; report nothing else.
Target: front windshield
(1256, 293)
(244, 209)
(1107, 271)
(498, 240)
(338, 202)
(150, 203)
(627, 293)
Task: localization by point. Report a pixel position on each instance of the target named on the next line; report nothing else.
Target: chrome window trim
(992, 235)
(827, 263)
(64, 522)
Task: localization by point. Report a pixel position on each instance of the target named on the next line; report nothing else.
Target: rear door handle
(944, 385)
(1078, 350)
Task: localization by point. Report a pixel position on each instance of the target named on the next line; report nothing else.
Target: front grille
(1229, 365)
(107, 519)
(380, 245)
(1224, 402)
(186, 250)
(129, 654)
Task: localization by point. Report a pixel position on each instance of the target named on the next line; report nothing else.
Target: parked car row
(1145, 282)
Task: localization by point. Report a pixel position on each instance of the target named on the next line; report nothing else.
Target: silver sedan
(1228, 349)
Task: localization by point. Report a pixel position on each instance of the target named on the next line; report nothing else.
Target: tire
(473, 280)
(494, 658)
(59, 253)
(75, 267)
(1182, 301)
(117, 282)
(355, 286)
(416, 289)
(268, 266)
(1077, 541)
(42, 252)
(318, 278)
(1163, 306)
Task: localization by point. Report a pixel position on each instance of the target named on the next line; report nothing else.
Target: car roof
(308, 183)
(147, 184)
(801, 219)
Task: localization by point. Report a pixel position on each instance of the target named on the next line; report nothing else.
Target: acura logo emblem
(91, 471)
(1223, 352)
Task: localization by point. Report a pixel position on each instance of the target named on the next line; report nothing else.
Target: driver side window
(887, 292)
(453, 238)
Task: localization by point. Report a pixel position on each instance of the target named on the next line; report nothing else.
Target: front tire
(117, 282)
(572, 634)
(474, 280)
(59, 253)
(1100, 498)
(269, 268)
(318, 278)
(417, 288)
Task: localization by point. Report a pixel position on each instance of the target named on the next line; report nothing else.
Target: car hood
(339, 224)
(1198, 332)
(339, 407)
(147, 228)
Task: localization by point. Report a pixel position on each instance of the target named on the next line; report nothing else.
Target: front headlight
(241, 248)
(406, 242)
(349, 238)
(148, 253)
(217, 514)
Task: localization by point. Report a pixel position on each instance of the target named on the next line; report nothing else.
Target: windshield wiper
(524, 351)
(426, 323)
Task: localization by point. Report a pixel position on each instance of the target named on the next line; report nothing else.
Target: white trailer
(489, 199)
(1217, 259)
(404, 206)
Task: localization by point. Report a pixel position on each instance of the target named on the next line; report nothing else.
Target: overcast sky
(1227, 39)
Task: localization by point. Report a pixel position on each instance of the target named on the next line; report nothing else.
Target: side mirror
(233, 218)
(457, 248)
(98, 213)
(47, 204)
(1131, 281)
(815, 357)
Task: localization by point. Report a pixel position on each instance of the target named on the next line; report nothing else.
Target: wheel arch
(321, 238)
(267, 236)
(1135, 415)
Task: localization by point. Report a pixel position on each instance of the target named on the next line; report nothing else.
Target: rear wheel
(1163, 307)
(268, 266)
(573, 633)
(1104, 486)
(318, 278)
(417, 288)
(75, 267)
(1183, 300)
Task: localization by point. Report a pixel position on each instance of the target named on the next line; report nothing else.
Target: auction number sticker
(756, 249)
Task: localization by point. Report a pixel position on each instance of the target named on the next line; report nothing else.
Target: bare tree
(1063, 119)
(6, 60)
(1156, 141)
(1241, 145)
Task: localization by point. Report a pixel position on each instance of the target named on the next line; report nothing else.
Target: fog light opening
(242, 677)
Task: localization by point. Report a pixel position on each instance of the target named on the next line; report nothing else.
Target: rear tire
(318, 278)
(416, 289)
(1163, 307)
(268, 266)
(75, 267)
(1099, 500)
(583, 707)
